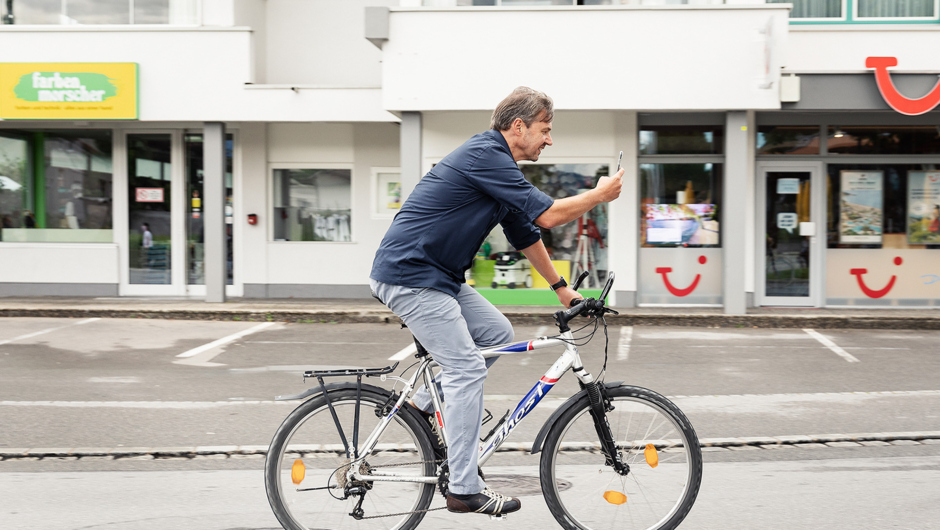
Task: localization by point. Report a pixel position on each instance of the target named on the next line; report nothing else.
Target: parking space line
(408, 350)
(623, 346)
(205, 349)
(43, 332)
(832, 346)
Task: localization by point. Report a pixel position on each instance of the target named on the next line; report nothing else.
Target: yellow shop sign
(63, 91)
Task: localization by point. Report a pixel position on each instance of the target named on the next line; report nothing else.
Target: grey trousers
(453, 330)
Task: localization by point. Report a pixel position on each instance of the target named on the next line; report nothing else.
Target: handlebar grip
(577, 283)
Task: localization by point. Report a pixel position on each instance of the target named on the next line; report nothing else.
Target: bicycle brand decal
(891, 95)
(522, 410)
(873, 293)
(675, 290)
(515, 348)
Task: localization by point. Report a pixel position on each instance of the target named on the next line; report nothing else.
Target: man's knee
(499, 332)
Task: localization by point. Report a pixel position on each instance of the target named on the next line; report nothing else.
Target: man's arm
(538, 257)
(565, 210)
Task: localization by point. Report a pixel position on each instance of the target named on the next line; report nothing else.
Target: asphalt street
(85, 404)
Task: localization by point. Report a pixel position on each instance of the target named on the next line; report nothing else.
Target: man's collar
(498, 136)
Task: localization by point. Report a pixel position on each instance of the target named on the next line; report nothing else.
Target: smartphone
(618, 161)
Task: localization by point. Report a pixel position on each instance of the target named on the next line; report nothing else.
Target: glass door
(150, 208)
(195, 242)
(789, 268)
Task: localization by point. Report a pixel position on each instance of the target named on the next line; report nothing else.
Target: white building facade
(774, 153)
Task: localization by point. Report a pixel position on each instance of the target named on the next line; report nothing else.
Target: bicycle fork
(599, 407)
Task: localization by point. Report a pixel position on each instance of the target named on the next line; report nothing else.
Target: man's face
(536, 137)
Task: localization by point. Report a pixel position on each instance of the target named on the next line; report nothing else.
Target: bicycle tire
(569, 468)
(404, 440)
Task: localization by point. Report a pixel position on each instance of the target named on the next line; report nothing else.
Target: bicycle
(612, 456)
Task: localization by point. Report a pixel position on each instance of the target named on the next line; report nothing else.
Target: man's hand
(566, 295)
(608, 188)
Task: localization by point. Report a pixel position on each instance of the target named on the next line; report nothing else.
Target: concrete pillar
(410, 142)
(623, 234)
(213, 146)
(734, 214)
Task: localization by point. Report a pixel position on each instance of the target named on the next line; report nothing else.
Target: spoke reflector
(652, 457)
(615, 497)
(297, 472)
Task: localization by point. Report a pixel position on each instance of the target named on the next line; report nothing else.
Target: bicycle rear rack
(346, 372)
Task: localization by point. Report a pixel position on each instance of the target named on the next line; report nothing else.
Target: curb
(248, 451)
(540, 318)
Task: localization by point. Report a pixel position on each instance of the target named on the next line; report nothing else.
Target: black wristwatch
(561, 283)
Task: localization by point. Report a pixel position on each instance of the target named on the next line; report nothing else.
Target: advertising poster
(860, 207)
(388, 193)
(681, 224)
(923, 207)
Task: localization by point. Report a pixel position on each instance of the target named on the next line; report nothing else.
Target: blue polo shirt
(441, 226)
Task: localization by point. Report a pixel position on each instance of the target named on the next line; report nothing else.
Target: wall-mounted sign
(62, 91)
(149, 194)
(897, 101)
(860, 205)
(923, 207)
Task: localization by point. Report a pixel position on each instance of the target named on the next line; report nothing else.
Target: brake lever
(609, 310)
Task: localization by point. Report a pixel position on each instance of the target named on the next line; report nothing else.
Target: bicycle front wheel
(653, 437)
(305, 469)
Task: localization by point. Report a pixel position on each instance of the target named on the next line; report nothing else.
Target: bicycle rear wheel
(654, 438)
(306, 463)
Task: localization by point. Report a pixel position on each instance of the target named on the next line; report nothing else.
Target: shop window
(883, 235)
(680, 205)
(814, 8)
(684, 139)
(783, 140)
(895, 140)
(883, 206)
(312, 204)
(896, 8)
(578, 246)
(56, 186)
(177, 12)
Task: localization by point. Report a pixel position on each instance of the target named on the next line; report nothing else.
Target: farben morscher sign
(63, 91)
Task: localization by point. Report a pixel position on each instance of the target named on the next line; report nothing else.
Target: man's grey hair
(524, 103)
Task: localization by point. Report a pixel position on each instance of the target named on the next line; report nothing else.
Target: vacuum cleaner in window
(512, 270)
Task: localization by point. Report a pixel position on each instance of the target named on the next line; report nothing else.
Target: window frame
(353, 211)
(935, 17)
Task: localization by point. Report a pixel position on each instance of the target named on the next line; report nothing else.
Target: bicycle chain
(406, 513)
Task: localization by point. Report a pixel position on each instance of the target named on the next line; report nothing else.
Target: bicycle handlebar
(590, 306)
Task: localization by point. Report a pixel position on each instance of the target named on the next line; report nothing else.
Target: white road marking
(773, 399)
(407, 351)
(115, 379)
(203, 354)
(309, 342)
(623, 346)
(541, 331)
(832, 346)
(43, 332)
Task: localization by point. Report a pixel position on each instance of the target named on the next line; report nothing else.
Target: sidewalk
(371, 311)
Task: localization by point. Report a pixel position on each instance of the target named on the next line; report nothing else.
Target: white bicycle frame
(569, 359)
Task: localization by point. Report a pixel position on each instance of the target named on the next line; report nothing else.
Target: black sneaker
(430, 424)
(487, 501)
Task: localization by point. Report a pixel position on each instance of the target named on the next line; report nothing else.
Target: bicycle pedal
(501, 517)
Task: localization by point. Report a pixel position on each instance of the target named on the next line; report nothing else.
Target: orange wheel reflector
(297, 471)
(615, 497)
(652, 457)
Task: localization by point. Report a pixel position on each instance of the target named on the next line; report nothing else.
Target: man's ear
(518, 126)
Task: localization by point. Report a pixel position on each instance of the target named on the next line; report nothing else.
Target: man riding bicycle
(419, 268)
